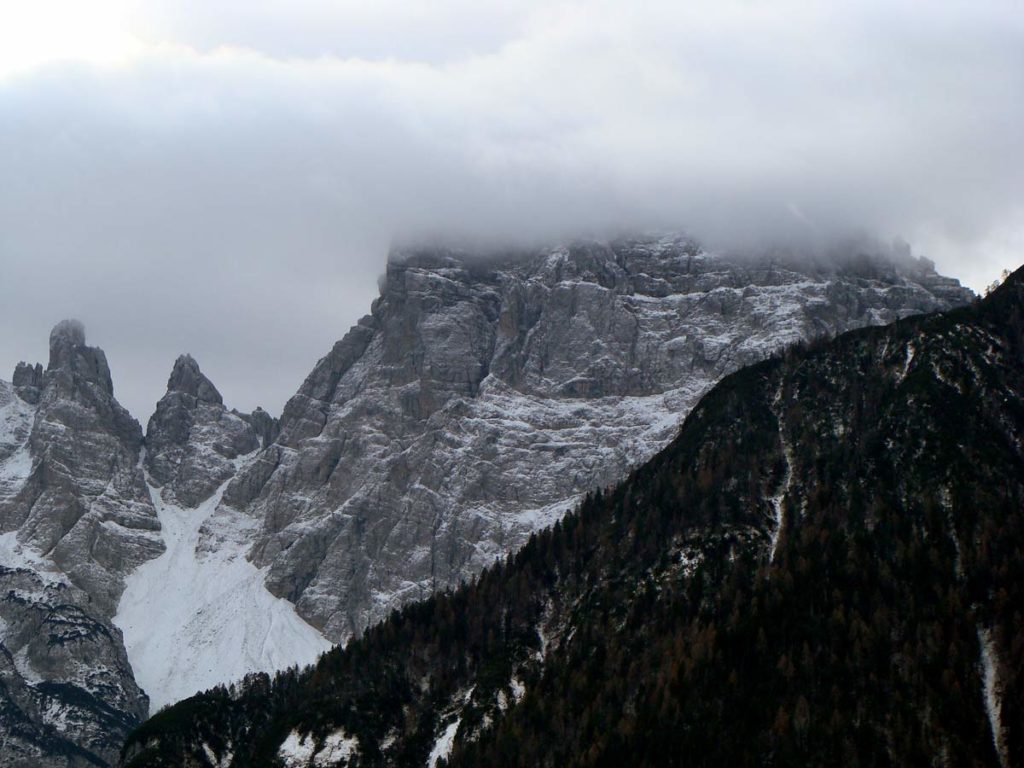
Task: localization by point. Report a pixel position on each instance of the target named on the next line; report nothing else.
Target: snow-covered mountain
(476, 403)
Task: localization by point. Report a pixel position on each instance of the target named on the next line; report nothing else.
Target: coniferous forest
(826, 567)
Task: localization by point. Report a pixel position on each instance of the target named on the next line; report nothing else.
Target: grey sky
(225, 178)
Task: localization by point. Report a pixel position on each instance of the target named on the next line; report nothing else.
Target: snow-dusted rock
(200, 614)
(83, 501)
(75, 518)
(484, 394)
(192, 439)
(193, 619)
(66, 687)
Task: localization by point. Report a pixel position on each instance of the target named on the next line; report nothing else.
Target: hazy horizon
(225, 178)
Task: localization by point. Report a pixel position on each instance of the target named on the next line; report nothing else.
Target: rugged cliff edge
(199, 614)
(193, 440)
(77, 524)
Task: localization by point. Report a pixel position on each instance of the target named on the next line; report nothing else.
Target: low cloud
(232, 187)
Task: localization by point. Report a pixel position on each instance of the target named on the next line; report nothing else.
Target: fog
(226, 178)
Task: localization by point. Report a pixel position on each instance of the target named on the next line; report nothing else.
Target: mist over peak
(230, 167)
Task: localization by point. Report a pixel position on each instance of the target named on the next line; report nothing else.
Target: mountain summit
(193, 440)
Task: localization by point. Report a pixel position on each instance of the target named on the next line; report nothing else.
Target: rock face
(83, 502)
(75, 518)
(199, 614)
(483, 395)
(192, 439)
(67, 694)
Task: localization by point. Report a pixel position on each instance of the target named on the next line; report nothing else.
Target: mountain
(825, 566)
(75, 518)
(193, 440)
(483, 396)
(80, 519)
(199, 614)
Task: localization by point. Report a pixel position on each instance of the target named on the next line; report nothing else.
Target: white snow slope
(15, 425)
(193, 619)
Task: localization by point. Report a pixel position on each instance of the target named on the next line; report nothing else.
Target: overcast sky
(224, 178)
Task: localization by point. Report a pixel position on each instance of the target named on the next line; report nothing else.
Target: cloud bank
(225, 178)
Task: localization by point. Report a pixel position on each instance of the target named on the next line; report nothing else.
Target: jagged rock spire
(28, 381)
(79, 502)
(186, 378)
(192, 438)
(70, 330)
(69, 353)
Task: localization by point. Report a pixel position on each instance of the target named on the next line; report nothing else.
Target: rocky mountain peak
(475, 404)
(68, 332)
(192, 439)
(75, 518)
(28, 381)
(69, 354)
(187, 379)
(81, 469)
(265, 425)
(883, 464)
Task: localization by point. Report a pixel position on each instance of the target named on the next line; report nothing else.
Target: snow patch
(518, 689)
(443, 745)
(223, 762)
(296, 750)
(16, 469)
(910, 353)
(337, 747)
(992, 692)
(777, 499)
(16, 555)
(21, 662)
(194, 619)
(15, 427)
(299, 751)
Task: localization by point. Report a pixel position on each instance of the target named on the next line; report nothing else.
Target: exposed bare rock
(82, 499)
(68, 694)
(192, 438)
(483, 395)
(75, 518)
